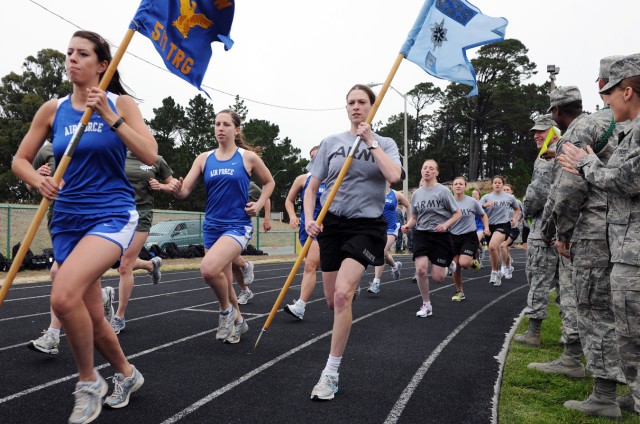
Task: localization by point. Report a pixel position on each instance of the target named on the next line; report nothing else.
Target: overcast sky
(292, 55)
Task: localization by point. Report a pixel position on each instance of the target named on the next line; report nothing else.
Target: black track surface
(397, 367)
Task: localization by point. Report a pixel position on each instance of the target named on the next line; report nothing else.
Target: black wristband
(116, 124)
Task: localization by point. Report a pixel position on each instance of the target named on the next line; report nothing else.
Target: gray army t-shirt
(363, 190)
(432, 206)
(469, 207)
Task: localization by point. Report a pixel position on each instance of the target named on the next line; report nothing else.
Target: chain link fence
(16, 219)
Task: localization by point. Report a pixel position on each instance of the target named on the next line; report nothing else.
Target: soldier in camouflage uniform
(566, 105)
(580, 216)
(542, 259)
(620, 179)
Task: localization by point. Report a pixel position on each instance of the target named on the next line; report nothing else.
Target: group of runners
(97, 218)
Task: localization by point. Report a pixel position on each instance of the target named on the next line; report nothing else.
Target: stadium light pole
(405, 157)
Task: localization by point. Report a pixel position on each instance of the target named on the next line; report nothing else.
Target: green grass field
(529, 396)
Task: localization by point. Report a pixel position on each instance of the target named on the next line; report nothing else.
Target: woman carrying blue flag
(94, 217)
(354, 232)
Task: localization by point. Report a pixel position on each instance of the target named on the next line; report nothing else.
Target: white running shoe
(326, 388)
(247, 273)
(508, 272)
(374, 287)
(425, 311)
(245, 296)
(225, 324)
(47, 343)
(155, 273)
(452, 267)
(295, 309)
(396, 273)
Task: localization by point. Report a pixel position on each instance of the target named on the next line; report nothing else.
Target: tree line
(476, 137)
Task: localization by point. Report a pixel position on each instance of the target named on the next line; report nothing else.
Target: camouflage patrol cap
(627, 67)
(563, 95)
(605, 63)
(543, 123)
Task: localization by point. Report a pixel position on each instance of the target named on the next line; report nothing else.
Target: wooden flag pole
(60, 169)
(327, 203)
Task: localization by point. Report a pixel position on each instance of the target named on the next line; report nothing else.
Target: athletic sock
(301, 303)
(333, 363)
(376, 280)
(227, 311)
(55, 332)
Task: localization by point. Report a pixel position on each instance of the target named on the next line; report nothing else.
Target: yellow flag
(552, 131)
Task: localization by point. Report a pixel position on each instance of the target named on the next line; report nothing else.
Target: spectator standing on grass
(94, 217)
(312, 260)
(619, 178)
(580, 213)
(242, 269)
(226, 171)
(566, 111)
(433, 212)
(353, 234)
(542, 260)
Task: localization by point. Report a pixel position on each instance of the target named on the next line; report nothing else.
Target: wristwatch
(374, 145)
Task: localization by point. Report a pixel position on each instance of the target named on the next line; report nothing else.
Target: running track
(397, 367)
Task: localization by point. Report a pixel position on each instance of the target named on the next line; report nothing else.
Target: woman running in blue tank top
(227, 229)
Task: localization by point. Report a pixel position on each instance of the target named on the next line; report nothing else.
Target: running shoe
(458, 297)
(326, 388)
(476, 266)
(117, 324)
(245, 296)
(396, 272)
(155, 273)
(247, 273)
(508, 272)
(225, 324)
(88, 400)
(498, 280)
(425, 311)
(108, 293)
(374, 287)
(415, 279)
(295, 309)
(239, 328)
(47, 343)
(452, 267)
(123, 387)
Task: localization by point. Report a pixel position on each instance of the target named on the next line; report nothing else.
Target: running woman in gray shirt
(354, 232)
(463, 233)
(433, 213)
(498, 205)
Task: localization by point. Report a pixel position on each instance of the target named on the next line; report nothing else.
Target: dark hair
(239, 140)
(366, 89)
(572, 109)
(509, 185)
(460, 177)
(103, 51)
(498, 176)
(633, 82)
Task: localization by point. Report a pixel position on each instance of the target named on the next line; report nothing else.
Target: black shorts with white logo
(465, 244)
(504, 228)
(437, 246)
(513, 234)
(361, 239)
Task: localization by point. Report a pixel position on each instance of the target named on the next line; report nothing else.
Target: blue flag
(182, 32)
(443, 32)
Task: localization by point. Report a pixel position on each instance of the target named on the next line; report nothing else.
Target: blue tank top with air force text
(389, 211)
(95, 181)
(227, 185)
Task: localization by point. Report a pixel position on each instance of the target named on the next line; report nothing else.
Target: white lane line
(502, 359)
(397, 409)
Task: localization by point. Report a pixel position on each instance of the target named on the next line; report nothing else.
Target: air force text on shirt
(221, 171)
(91, 127)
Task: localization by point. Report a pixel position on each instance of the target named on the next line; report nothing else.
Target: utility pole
(553, 70)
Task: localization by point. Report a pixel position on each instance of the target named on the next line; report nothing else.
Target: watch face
(374, 144)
